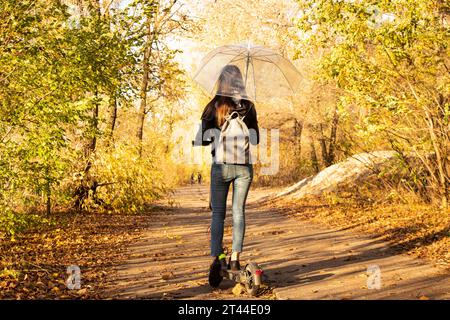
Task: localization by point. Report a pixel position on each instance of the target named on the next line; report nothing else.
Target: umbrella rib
(237, 58)
(266, 55)
(261, 59)
(259, 49)
(231, 51)
(229, 54)
(208, 61)
(203, 66)
(238, 49)
(283, 74)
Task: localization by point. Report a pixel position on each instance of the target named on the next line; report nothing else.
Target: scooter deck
(236, 276)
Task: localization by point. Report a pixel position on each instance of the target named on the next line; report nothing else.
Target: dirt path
(301, 260)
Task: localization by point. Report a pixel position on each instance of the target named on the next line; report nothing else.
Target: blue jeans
(222, 175)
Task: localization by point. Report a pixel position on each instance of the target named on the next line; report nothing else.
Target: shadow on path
(300, 260)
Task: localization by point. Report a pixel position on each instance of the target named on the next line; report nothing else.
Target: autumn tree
(390, 60)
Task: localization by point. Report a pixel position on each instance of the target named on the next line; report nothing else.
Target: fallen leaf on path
(82, 291)
(168, 275)
(238, 289)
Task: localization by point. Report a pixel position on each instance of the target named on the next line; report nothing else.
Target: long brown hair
(219, 107)
(222, 111)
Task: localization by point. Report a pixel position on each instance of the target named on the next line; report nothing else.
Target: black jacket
(247, 111)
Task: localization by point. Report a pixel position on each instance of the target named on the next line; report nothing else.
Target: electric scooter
(250, 276)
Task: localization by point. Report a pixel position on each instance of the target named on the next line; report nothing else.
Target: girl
(228, 100)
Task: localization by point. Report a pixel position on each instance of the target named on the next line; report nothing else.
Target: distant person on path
(199, 178)
(225, 114)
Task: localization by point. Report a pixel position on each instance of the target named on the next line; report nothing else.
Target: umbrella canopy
(247, 71)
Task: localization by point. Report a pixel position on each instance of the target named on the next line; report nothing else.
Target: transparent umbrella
(247, 71)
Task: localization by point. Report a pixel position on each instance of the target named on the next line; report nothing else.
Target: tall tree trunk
(440, 159)
(112, 119)
(328, 145)
(314, 161)
(49, 199)
(48, 191)
(323, 146)
(144, 87)
(298, 129)
(333, 137)
(92, 144)
(82, 191)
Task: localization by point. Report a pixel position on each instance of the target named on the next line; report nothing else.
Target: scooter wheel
(250, 286)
